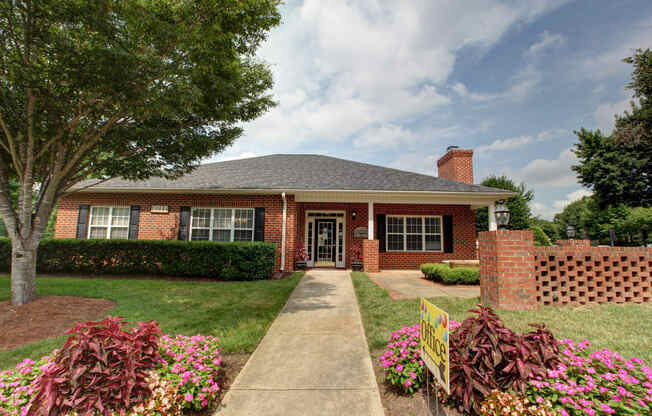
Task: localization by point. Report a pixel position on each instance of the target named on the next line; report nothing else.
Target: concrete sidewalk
(410, 284)
(314, 360)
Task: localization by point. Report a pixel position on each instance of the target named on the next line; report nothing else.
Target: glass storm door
(325, 243)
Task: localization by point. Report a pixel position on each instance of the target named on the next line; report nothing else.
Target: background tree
(110, 88)
(520, 213)
(618, 168)
(548, 227)
(539, 236)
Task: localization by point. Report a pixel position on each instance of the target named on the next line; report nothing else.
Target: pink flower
(607, 409)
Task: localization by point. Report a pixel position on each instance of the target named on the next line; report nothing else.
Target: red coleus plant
(100, 369)
(356, 253)
(301, 254)
(485, 356)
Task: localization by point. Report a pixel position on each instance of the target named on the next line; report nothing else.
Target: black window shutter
(82, 221)
(259, 224)
(448, 233)
(184, 221)
(380, 221)
(134, 218)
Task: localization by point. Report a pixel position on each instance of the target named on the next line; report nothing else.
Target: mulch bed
(396, 403)
(46, 317)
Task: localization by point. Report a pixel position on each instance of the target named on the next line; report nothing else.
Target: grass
(239, 313)
(622, 328)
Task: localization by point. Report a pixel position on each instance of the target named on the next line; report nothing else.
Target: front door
(325, 243)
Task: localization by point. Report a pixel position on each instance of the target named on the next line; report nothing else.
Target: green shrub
(540, 237)
(443, 273)
(227, 261)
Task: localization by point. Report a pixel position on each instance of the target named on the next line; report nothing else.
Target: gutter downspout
(283, 232)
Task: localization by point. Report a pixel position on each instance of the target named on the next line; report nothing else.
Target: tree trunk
(23, 273)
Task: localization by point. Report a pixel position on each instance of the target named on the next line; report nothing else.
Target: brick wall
(457, 165)
(575, 273)
(507, 269)
(464, 246)
(154, 226)
(370, 256)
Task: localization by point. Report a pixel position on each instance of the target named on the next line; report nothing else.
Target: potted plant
(356, 258)
(300, 257)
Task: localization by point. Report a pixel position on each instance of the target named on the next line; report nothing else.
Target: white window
(109, 222)
(413, 233)
(222, 224)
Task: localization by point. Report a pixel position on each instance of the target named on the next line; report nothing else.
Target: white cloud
(546, 41)
(520, 141)
(610, 62)
(417, 162)
(521, 85)
(548, 211)
(546, 173)
(342, 68)
(605, 114)
(505, 144)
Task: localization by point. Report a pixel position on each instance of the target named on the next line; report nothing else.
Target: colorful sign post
(434, 342)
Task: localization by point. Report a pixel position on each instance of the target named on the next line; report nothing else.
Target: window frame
(232, 230)
(109, 227)
(423, 233)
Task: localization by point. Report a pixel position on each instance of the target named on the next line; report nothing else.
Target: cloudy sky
(395, 82)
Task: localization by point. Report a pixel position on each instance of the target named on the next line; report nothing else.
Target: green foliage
(520, 213)
(588, 217)
(443, 273)
(548, 227)
(226, 261)
(617, 167)
(540, 237)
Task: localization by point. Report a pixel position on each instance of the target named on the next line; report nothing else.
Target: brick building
(326, 204)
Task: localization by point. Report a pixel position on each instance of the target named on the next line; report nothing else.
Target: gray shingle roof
(299, 172)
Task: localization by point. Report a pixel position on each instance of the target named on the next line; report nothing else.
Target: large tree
(618, 167)
(518, 205)
(108, 88)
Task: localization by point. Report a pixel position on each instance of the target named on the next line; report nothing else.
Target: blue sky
(395, 82)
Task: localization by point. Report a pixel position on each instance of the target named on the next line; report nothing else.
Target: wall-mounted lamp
(354, 214)
(570, 231)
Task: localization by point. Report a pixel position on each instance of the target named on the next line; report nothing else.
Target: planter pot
(300, 265)
(356, 266)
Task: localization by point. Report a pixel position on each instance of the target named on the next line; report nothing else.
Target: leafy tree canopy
(618, 168)
(540, 237)
(548, 227)
(518, 205)
(109, 88)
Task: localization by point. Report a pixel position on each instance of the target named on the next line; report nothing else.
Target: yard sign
(434, 342)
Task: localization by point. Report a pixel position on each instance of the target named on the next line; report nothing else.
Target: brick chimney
(456, 164)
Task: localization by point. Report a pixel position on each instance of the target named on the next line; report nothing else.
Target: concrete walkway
(410, 284)
(314, 360)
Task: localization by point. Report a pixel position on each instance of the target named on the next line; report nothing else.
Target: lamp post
(644, 234)
(570, 231)
(502, 214)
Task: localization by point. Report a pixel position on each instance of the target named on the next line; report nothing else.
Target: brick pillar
(370, 257)
(574, 243)
(507, 278)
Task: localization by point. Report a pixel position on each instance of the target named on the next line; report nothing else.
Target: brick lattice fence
(576, 273)
(515, 274)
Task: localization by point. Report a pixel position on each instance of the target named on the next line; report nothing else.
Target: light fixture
(644, 234)
(502, 214)
(354, 214)
(570, 231)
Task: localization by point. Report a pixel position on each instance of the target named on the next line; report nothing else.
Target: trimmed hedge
(440, 272)
(226, 261)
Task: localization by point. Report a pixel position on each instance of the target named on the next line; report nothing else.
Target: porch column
(492, 217)
(370, 226)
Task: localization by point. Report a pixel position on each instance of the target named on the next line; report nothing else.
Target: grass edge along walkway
(239, 313)
(626, 329)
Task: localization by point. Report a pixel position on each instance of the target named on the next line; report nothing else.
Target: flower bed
(186, 378)
(599, 382)
(578, 381)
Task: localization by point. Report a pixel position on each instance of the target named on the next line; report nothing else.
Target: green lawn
(239, 313)
(622, 328)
